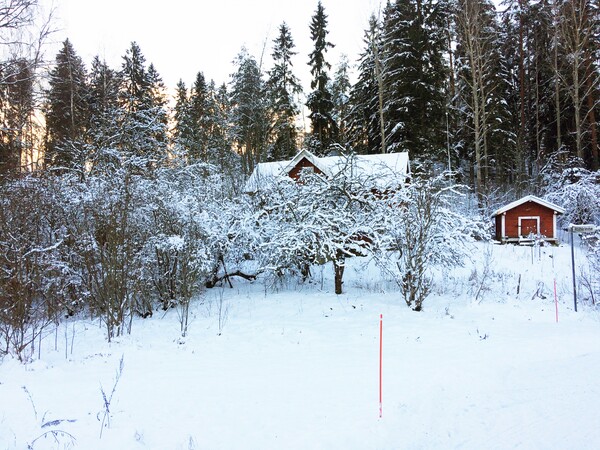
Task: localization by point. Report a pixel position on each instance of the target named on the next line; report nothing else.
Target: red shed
(518, 220)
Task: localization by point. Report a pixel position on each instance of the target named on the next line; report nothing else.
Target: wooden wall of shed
(530, 209)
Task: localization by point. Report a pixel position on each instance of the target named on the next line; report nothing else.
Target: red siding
(294, 174)
(528, 209)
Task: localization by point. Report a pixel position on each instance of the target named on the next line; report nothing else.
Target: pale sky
(182, 37)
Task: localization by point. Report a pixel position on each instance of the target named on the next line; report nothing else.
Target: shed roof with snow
(382, 169)
(529, 216)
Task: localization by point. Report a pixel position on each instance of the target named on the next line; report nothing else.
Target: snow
(263, 173)
(381, 168)
(296, 367)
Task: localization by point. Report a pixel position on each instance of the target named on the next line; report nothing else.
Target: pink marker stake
(380, 363)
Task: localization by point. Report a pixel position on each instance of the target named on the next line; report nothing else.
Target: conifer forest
(120, 195)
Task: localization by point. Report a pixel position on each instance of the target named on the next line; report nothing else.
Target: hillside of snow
(485, 365)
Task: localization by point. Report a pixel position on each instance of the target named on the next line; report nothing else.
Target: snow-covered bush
(422, 228)
(185, 244)
(110, 234)
(578, 191)
(234, 241)
(115, 243)
(34, 281)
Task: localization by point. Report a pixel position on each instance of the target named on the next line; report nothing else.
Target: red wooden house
(380, 168)
(519, 220)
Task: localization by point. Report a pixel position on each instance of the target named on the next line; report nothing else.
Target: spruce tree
(364, 119)
(104, 115)
(134, 92)
(158, 109)
(220, 144)
(249, 116)
(414, 77)
(142, 100)
(199, 111)
(66, 110)
(104, 88)
(182, 131)
(340, 92)
(282, 87)
(320, 102)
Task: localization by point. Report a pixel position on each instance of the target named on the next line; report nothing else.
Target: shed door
(528, 225)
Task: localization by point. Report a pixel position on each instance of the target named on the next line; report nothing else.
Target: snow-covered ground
(297, 367)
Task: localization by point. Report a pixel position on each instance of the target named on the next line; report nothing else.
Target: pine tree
(526, 84)
(66, 110)
(21, 47)
(283, 86)
(540, 75)
(578, 33)
(478, 66)
(320, 102)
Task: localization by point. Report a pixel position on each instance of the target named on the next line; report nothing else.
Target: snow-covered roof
(529, 198)
(382, 168)
(263, 173)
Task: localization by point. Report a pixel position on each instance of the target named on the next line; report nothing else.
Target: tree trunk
(521, 135)
(593, 133)
(556, 81)
(379, 77)
(591, 103)
(338, 268)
